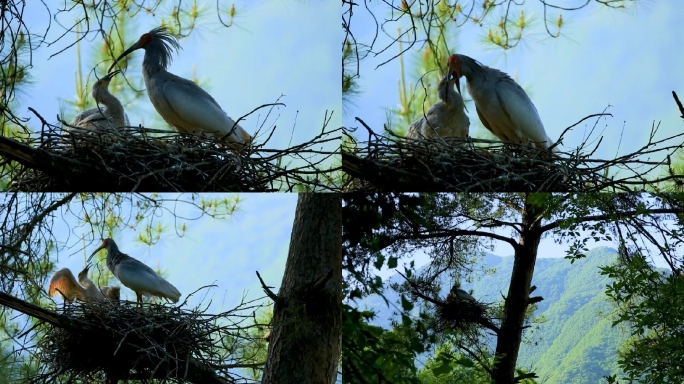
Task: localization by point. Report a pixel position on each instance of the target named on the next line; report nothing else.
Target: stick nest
(387, 162)
(132, 160)
(459, 314)
(438, 165)
(125, 342)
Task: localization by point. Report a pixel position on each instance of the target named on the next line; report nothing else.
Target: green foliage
(255, 351)
(429, 68)
(32, 247)
(649, 302)
(350, 84)
(447, 367)
(372, 354)
(452, 230)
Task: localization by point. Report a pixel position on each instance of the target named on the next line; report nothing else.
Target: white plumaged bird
(445, 118)
(135, 275)
(502, 105)
(458, 293)
(182, 103)
(110, 112)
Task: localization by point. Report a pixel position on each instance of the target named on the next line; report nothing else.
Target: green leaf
(405, 304)
(443, 369)
(379, 261)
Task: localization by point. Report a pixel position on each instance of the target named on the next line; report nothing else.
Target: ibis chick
(445, 118)
(110, 112)
(64, 283)
(112, 293)
(91, 289)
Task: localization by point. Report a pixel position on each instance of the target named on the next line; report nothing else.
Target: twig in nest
(131, 159)
(390, 163)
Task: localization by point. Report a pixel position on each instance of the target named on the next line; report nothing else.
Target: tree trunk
(508, 342)
(305, 342)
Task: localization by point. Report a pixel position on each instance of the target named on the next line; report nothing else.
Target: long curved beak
(126, 52)
(96, 251)
(110, 75)
(447, 84)
(456, 79)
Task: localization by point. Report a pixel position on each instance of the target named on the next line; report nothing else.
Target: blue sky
(275, 47)
(625, 58)
(223, 252)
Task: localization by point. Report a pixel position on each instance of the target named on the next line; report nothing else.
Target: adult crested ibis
(502, 105)
(135, 275)
(182, 103)
(458, 293)
(110, 112)
(445, 118)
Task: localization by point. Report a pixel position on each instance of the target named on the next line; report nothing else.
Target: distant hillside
(576, 343)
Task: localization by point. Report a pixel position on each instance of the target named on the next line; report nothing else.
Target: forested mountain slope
(574, 342)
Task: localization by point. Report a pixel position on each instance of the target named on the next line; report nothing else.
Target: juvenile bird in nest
(135, 275)
(109, 114)
(445, 118)
(65, 284)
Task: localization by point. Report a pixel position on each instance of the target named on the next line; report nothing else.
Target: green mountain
(574, 343)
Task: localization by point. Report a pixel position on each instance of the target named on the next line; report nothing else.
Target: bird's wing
(413, 131)
(96, 115)
(432, 126)
(465, 295)
(520, 110)
(141, 278)
(483, 120)
(196, 110)
(63, 282)
(84, 115)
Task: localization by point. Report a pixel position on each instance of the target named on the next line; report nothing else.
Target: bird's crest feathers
(162, 42)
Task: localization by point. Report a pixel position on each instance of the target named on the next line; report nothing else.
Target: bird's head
(112, 293)
(158, 45)
(455, 70)
(84, 273)
(103, 83)
(105, 244)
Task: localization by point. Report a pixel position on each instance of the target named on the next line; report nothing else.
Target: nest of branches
(392, 163)
(148, 160)
(460, 314)
(119, 341)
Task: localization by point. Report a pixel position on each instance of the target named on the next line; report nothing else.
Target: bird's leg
(139, 295)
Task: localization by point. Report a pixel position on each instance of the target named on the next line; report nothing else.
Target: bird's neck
(151, 66)
(113, 259)
(114, 107)
(473, 71)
